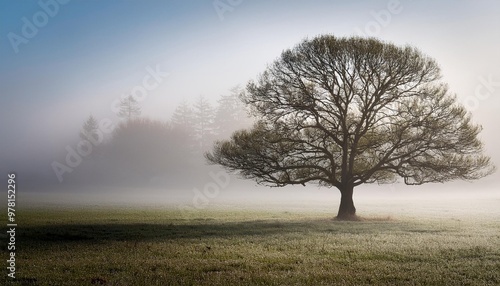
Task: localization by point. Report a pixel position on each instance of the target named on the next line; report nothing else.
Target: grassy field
(127, 246)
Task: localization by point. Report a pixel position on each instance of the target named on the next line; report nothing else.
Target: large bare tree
(343, 112)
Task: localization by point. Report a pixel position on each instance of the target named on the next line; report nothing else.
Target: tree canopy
(342, 112)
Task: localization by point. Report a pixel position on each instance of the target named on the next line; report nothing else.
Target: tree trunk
(347, 211)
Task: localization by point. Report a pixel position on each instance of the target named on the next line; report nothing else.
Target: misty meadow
(250, 143)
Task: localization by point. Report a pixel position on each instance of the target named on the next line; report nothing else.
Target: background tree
(183, 120)
(183, 116)
(203, 123)
(129, 108)
(230, 113)
(342, 112)
(89, 128)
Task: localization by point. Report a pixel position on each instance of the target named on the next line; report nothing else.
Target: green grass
(124, 246)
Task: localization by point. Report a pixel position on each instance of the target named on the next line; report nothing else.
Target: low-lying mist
(151, 163)
(231, 193)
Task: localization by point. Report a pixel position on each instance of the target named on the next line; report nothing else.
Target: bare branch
(347, 111)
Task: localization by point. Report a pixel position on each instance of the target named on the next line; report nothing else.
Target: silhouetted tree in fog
(230, 114)
(203, 123)
(129, 108)
(183, 120)
(89, 128)
(183, 116)
(342, 112)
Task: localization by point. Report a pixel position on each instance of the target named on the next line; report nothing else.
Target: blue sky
(89, 53)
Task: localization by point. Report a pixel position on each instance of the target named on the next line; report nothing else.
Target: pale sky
(60, 62)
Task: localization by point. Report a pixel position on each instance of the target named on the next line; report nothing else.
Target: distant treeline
(152, 153)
